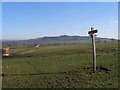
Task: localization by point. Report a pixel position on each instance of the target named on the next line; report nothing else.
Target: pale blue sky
(25, 20)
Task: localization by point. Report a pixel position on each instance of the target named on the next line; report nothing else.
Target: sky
(27, 20)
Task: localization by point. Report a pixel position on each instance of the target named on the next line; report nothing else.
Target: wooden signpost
(93, 35)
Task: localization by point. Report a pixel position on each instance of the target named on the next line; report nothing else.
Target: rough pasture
(68, 66)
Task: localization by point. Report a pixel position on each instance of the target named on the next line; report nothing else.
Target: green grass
(61, 66)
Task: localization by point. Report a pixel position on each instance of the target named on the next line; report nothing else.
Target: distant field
(61, 66)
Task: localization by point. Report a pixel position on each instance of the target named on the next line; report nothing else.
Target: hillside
(61, 66)
(63, 39)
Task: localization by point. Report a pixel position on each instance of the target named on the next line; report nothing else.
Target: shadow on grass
(87, 70)
(70, 72)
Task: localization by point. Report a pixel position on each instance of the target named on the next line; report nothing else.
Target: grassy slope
(61, 66)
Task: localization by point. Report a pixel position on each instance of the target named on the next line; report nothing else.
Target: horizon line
(55, 36)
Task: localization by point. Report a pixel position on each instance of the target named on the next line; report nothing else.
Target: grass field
(61, 66)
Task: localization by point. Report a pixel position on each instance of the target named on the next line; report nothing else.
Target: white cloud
(113, 23)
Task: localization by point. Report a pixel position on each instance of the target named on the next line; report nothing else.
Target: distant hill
(63, 39)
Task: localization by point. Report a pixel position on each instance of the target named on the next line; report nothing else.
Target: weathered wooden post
(93, 35)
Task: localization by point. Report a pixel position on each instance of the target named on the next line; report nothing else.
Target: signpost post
(93, 35)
